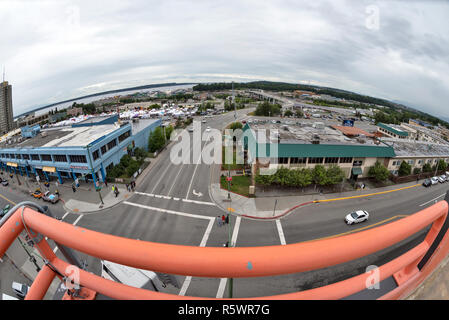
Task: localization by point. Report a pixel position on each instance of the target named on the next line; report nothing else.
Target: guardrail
(397, 278)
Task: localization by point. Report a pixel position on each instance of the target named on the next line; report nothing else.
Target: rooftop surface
(412, 148)
(62, 137)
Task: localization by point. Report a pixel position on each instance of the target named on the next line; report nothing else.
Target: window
(298, 160)
(103, 149)
(112, 144)
(316, 160)
(18, 156)
(78, 158)
(60, 158)
(124, 136)
(346, 160)
(283, 160)
(26, 156)
(46, 157)
(411, 162)
(11, 156)
(96, 154)
(419, 161)
(357, 163)
(35, 157)
(331, 160)
(429, 161)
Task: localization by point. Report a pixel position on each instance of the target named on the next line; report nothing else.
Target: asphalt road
(168, 208)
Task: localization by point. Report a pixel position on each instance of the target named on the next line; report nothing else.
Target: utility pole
(233, 101)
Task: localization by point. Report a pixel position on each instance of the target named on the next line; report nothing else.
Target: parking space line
(280, 231)
(432, 200)
(174, 180)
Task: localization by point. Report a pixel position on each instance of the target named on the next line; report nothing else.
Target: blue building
(92, 146)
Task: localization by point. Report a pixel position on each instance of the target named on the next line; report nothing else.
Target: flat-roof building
(74, 151)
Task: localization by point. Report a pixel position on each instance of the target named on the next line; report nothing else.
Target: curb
(95, 211)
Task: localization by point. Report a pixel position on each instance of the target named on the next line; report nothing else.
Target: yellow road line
(359, 229)
(366, 195)
(7, 199)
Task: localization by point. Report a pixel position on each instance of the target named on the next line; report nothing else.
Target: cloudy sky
(56, 50)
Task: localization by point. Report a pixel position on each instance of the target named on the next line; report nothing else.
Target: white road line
(281, 232)
(432, 200)
(199, 202)
(236, 231)
(174, 181)
(221, 288)
(223, 281)
(169, 211)
(188, 279)
(159, 180)
(76, 221)
(191, 181)
(65, 215)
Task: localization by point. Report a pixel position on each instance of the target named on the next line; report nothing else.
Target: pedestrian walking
(227, 219)
(127, 187)
(133, 185)
(105, 183)
(73, 188)
(223, 219)
(218, 220)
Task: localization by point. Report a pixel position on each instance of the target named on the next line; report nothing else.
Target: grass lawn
(233, 165)
(239, 184)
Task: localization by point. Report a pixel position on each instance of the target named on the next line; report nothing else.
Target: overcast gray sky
(55, 50)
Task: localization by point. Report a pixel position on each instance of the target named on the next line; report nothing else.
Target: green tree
(379, 172)
(267, 109)
(405, 169)
(236, 125)
(427, 167)
(335, 175)
(156, 140)
(299, 113)
(442, 165)
(416, 171)
(168, 132)
(319, 175)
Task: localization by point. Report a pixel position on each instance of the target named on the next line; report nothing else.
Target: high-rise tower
(6, 117)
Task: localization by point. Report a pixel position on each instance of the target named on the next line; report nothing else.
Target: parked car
(207, 129)
(5, 210)
(434, 180)
(20, 289)
(427, 183)
(357, 217)
(37, 194)
(190, 129)
(50, 197)
(5, 182)
(442, 179)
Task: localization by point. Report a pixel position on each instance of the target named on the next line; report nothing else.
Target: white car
(442, 179)
(204, 121)
(434, 180)
(190, 129)
(207, 129)
(357, 217)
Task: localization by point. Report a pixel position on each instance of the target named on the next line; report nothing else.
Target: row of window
(63, 158)
(419, 162)
(318, 160)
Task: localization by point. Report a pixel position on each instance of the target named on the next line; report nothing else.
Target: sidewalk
(84, 201)
(264, 208)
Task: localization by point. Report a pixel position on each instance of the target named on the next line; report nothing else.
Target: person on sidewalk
(127, 187)
(116, 191)
(218, 221)
(227, 219)
(223, 219)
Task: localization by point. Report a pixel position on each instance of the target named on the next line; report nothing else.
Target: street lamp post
(92, 170)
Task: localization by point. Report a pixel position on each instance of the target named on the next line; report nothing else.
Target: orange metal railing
(235, 262)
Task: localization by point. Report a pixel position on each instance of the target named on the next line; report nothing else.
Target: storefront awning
(12, 164)
(356, 171)
(49, 169)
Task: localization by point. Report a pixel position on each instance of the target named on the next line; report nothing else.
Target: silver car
(356, 217)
